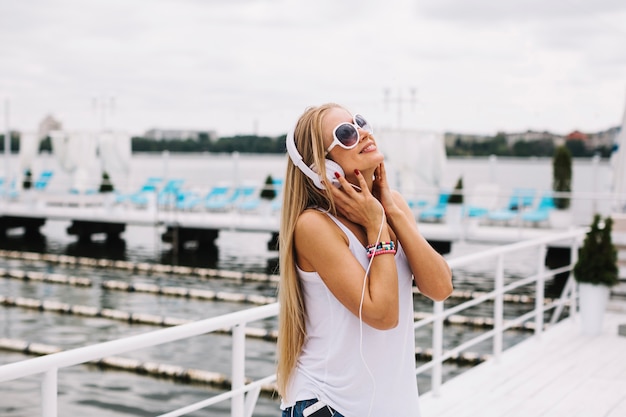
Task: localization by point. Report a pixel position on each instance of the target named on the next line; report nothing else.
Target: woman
(349, 253)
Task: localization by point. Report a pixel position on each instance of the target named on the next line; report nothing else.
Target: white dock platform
(232, 220)
(561, 374)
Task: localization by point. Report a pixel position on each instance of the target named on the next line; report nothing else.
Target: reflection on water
(35, 242)
(109, 249)
(191, 256)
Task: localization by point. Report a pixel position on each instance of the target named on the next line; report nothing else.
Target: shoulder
(316, 225)
(311, 218)
(312, 221)
(398, 198)
(315, 233)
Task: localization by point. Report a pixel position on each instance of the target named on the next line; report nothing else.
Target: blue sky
(252, 66)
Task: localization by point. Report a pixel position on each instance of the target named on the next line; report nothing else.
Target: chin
(378, 157)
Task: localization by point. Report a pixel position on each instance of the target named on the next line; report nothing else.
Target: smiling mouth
(368, 148)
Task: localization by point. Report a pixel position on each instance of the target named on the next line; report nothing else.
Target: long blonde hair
(298, 194)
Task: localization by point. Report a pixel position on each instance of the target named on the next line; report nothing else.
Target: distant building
(577, 135)
(451, 138)
(531, 136)
(605, 138)
(179, 134)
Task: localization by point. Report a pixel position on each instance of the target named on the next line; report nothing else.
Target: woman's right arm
(322, 247)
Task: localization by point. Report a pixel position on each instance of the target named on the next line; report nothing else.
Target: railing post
(573, 307)
(238, 369)
(49, 407)
(498, 308)
(436, 377)
(540, 290)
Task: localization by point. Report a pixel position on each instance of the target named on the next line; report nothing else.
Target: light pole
(399, 101)
(100, 106)
(7, 144)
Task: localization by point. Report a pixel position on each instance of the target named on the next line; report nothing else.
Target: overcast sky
(252, 66)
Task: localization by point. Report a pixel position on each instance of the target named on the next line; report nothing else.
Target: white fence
(244, 396)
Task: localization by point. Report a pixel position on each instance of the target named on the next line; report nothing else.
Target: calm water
(89, 391)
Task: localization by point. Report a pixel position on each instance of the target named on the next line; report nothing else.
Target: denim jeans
(300, 406)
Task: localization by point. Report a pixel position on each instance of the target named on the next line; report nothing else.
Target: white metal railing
(244, 396)
(48, 365)
(568, 297)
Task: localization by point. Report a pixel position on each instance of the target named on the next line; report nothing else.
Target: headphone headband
(298, 161)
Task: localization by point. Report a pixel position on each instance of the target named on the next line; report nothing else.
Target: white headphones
(310, 171)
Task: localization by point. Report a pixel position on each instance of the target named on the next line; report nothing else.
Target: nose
(363, 133)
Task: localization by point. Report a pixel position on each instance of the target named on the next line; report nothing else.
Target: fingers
(347, 187)
(381, 173)
(361, 180)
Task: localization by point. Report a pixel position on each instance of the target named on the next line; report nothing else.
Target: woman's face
(364, 156)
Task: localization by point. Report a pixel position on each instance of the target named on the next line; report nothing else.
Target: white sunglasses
(346, 134)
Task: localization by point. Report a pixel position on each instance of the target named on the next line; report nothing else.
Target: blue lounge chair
(482, 199)
(417, 204)
(277, 202)
(248, 199)
(191, 200)
(541, 213)
(8, 190)
(44, 179)
(437, 212)
(170, 193)
(140, 197)
(226, 200)
(520, 199)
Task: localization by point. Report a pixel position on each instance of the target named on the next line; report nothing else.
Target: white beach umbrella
(76, 155)
(29, 146)
(418, 158)
(82, 150)
(61, 150)
(114, 149)
(115, 152)
(618, 162)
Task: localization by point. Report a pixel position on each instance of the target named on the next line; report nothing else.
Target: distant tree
(562, 175)
(27, 182)
(106, 186)
(457, 195)
(45, 145)
(541, 147)
(604, 151)
(14, 143)
(577, 148)
(268, 192)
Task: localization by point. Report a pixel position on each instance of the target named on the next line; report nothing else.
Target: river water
(86, 390)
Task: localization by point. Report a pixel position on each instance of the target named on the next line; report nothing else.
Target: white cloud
(477, 66)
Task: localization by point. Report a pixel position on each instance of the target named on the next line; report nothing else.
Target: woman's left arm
(430, 270)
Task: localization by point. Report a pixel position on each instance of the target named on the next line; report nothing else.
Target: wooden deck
(562, 373)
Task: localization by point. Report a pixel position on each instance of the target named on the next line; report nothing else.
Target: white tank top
(330, 366)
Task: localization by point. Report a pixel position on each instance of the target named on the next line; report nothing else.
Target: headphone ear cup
(331, 168)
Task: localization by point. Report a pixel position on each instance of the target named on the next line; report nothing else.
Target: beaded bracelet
(380, 248)
(380, 252)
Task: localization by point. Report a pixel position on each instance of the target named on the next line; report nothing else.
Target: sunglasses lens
(347, 134)
(362, 123)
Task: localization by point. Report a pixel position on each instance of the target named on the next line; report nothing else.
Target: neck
(368, 175)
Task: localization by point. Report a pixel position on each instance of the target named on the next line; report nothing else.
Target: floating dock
(204, 227)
